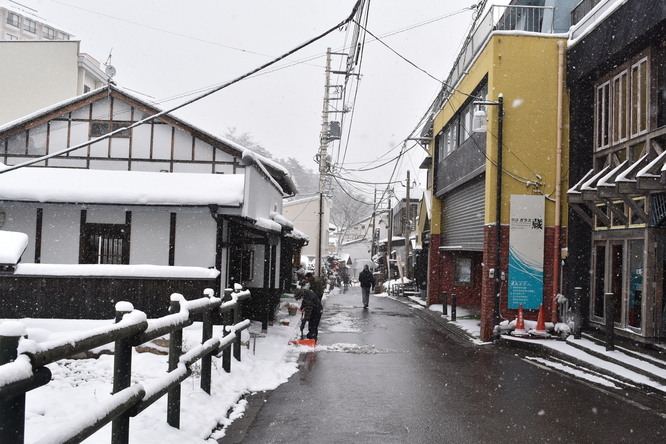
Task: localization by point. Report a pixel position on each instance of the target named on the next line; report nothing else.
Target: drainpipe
(558, 180)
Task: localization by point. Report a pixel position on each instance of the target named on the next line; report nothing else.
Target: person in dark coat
(367, 281)
(311, 308)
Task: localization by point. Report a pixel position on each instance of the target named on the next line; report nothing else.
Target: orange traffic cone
(541, 324)
(520, 323)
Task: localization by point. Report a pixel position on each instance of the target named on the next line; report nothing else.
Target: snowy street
(387, 375)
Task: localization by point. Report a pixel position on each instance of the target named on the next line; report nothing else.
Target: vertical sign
(526, 235)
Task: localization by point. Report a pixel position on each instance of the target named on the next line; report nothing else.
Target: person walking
(367, 281)
(312, 309)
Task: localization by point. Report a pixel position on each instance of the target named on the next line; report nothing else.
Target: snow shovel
(302, 328)
(303, 341)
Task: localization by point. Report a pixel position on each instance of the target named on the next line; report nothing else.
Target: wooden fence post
(226, 321)
(175, 350)
(206, 361)
(122, 376)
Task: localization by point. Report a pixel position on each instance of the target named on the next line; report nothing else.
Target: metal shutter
(463, 216)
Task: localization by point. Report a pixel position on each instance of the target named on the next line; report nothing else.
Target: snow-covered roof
(297, 234)
(64, 185)
(277, 217)
(12, 246)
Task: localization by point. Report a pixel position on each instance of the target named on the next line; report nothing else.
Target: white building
(304, 213)
(163, 193)
(19, 22)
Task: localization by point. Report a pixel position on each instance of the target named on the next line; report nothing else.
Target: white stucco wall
(150, 237)
(262, 197)
(60, 235)
(195, 239)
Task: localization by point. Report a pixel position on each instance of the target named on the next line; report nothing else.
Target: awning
(617, 188)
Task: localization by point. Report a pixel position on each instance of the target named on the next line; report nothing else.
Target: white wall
(261, 196)
(195, 239)
(41, 73)
(60, 235)
(305, 216)
(149, 242)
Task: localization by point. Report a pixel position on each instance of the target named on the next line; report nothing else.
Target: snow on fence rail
(23, 364)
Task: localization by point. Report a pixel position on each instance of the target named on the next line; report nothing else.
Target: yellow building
(515, 69)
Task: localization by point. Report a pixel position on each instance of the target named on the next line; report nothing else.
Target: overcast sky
(166, 48)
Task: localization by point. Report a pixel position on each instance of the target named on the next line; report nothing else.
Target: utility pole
(407, 229)
(323, 153)
(373, 249)
(390, 236)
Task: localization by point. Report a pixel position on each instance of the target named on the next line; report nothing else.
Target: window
(98, 129)
(466, 122)
(599, 279)
(49, 33)
(442, 143)
(11, 37)
(453, 137)
(13, 19)
(621, 105)
(639, 88)
(63, 36)
(620, 108)
(30, 25)
(635, 303)
(105, 244)
(603, 121)
(463, 276)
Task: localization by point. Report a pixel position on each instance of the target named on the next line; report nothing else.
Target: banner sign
(526, 235)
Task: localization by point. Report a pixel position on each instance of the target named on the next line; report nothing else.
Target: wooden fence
(22, 372)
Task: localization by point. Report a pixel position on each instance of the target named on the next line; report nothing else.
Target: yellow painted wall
(524, 69)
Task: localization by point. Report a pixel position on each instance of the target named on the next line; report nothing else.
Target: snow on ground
(79, 385)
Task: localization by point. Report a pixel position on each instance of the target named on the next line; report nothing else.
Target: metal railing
(22, 371)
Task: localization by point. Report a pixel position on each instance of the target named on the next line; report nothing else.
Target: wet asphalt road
(390, 376)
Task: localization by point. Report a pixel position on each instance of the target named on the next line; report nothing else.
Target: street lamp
(479, 125)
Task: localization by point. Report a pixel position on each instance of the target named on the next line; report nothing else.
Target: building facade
(18, 22)
(510, 71)
(617, 78)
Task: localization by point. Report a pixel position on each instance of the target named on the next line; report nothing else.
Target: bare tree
(247, 141)
(348, 208)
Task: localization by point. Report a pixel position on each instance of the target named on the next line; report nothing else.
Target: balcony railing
(534, 19)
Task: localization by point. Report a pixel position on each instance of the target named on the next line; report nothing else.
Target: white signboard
(526, 235)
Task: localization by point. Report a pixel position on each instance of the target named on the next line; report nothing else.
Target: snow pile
(12, 246)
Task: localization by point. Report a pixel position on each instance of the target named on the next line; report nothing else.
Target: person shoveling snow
(312, 309)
